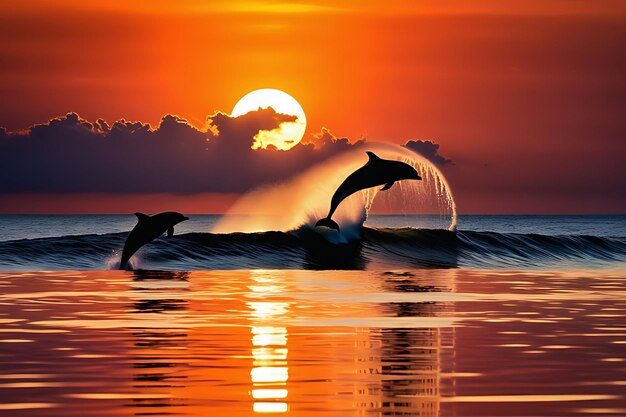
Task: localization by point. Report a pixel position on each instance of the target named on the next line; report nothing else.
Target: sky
(526, 101)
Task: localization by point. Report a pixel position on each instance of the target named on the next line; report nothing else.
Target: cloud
(428, 150)
(241, 130)
(69, 154)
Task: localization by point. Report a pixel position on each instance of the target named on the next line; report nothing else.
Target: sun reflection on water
(270, 372)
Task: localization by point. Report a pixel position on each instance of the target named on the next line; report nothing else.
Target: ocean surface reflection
(308, 343)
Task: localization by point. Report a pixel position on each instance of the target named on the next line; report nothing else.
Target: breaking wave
(306, 248)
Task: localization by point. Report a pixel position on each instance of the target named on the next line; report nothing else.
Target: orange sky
(514, 92)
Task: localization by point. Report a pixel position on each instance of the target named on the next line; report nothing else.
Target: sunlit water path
(309, 343)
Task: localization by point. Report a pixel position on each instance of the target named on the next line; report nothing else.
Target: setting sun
(287, 135)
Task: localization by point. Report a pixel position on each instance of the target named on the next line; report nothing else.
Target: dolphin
(375, 172)
(147, 229)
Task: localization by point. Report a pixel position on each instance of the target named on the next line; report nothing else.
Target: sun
(287, 135)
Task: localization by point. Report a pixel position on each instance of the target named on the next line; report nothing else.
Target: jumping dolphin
(375, 172)
(147, 229)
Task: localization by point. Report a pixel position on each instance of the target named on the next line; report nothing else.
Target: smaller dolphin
(375, 172)
(147, 229)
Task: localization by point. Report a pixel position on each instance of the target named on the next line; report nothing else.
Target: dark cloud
(325, 138)
(69, 154)
(429, 150)
(236, 134)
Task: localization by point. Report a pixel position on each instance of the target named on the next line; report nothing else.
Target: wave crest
(305, 248)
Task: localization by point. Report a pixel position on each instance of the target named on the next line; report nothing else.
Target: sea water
(423, 342)
(95, 241)
(509, 316)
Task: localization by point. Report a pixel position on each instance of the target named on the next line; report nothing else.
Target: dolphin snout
(415, 176)
(185, 218)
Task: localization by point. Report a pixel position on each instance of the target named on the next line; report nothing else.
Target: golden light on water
(270, 407)
(308, 343)
(269, 393)
(288, 134)
(270, 373)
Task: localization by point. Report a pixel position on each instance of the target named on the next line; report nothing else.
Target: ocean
(506, 316)
(87, 242)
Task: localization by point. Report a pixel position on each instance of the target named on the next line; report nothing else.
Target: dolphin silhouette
(147, 229)
(375, 172)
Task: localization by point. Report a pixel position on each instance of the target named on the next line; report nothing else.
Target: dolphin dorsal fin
(141, 216)
(373, 157)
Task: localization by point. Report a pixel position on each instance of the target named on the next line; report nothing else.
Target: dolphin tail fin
(327, 222)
